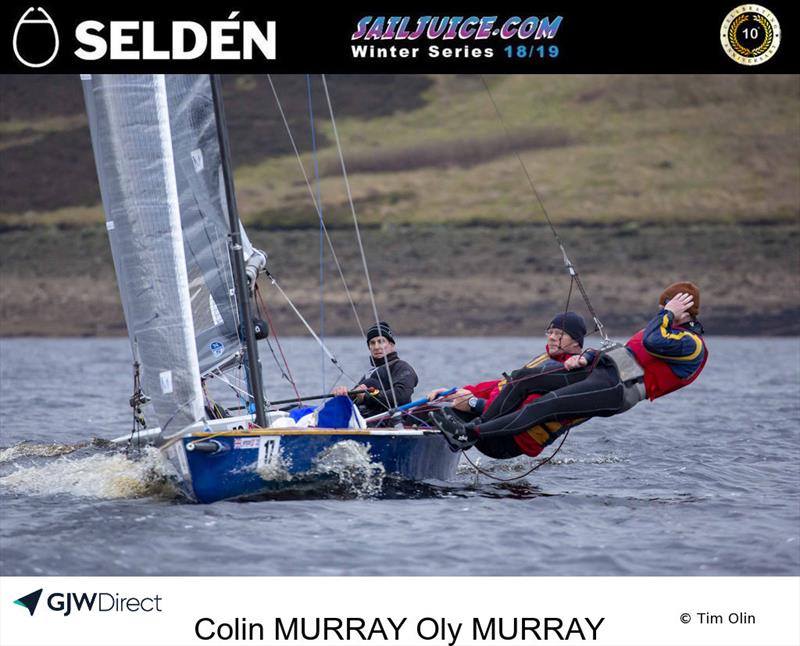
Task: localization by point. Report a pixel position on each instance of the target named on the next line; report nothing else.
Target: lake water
(705, 481)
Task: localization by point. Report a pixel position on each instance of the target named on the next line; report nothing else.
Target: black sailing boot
(453, 429)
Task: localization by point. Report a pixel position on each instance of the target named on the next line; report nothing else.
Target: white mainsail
(159, 166)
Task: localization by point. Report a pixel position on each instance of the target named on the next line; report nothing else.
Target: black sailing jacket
(404, 379)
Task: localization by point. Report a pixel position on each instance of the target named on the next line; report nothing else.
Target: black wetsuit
(403, 379)
(592, 391)
(600, 392)
(539, 379)
(524, 382)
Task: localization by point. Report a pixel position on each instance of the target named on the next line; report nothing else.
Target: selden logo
(69, 602)
(30, 601)
(36, 40)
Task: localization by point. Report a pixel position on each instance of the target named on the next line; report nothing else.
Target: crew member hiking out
(390, 382)
(558, 366)
(666, 355)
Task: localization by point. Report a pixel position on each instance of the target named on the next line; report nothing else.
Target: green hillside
(654, 178)
(600, 149)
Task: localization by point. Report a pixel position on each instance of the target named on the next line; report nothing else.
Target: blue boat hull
(233, 465)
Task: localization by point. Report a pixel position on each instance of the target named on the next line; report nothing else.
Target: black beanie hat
(572, 323)
(381, 329)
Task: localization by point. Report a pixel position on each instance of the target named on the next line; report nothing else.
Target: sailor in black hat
(390, 382)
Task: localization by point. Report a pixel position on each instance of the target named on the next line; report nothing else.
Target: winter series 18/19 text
(433, 51)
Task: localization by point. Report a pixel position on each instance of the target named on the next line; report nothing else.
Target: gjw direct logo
(36, 39)
(30, 601)
(69, 602)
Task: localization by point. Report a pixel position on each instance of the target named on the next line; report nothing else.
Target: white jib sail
(130, 127)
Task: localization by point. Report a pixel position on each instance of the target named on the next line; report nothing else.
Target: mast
(239, 276)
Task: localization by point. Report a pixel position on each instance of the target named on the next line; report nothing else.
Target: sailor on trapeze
(668, 354)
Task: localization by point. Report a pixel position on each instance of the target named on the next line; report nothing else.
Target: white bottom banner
(446, 611)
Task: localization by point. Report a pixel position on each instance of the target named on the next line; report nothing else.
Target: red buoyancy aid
(532, 441)
(526, 441)
(659, 379)
(489, 390)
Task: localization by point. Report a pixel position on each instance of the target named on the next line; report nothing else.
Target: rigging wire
(308, 327)
(261, 307)
(241, 392)
(358, 232)
(574, 280)
(317, 206)
(321, 229)
(573, 272)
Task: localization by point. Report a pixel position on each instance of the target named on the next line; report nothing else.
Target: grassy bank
(647, 177)
(421, 150)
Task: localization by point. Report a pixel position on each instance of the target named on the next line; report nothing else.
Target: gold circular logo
(750, 34)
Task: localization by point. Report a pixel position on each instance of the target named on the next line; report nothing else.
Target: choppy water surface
(705, 481)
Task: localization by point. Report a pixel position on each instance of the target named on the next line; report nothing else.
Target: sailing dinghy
(182, 259)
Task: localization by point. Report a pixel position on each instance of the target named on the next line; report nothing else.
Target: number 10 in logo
(750, 34)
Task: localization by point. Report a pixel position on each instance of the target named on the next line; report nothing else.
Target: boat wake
(350, 463)
(101, 475)
(344, 470)
(523, 464)
(591, 459)
(94, 469)
(30, 450)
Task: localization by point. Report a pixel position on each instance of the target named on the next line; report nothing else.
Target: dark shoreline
(443, 281)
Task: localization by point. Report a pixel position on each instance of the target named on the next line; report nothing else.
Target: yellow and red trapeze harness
(532, 441)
